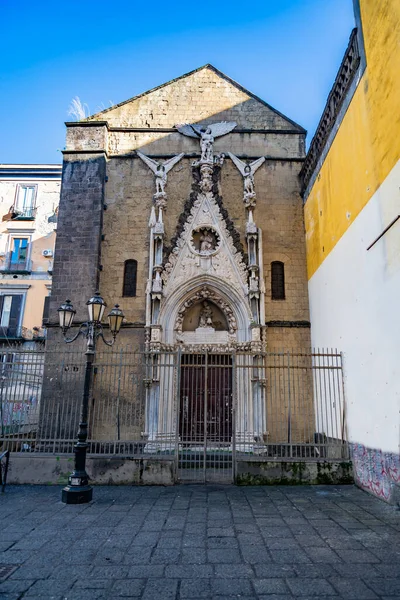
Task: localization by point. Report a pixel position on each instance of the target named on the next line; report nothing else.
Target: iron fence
(204, 411)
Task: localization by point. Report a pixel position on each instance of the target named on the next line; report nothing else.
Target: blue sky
(285, 51)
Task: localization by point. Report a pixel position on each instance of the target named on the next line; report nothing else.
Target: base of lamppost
(77, 494)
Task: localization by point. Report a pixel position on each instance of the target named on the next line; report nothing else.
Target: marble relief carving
(247, 171)
(206, 135)
(160, 171)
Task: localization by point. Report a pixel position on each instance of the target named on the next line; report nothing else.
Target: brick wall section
(76, 261)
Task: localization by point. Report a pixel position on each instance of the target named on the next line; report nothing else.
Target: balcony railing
(22, 333)
(11, 265)
(25, 213)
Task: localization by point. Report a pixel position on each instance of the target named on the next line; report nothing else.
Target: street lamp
(78, 490)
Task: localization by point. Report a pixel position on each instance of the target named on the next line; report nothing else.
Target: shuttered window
(277, 280)
(130, 273)
(10, 309)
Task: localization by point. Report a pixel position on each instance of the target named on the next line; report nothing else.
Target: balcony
(11, 265)
(25, 214)
(22, 333)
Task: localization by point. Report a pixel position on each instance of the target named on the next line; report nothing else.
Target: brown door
(206, 399)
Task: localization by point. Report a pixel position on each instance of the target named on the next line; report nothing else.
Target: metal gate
(206, 418)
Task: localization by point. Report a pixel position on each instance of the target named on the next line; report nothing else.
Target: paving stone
(360, 571)
(109, 572)
(222, 542)
(254, 555)
(270, 586)
(160, 588)
(269, 571)
(49, 587)
(195, 588)
(82, 595)
(276, 532)
(350, 588)
(15, 585)
(385, 586)
(165, 556)
(233, 570)
(91, 583)
(195, 556)
(188, 571)
(27, 572)
(226, 555)
(312, 541)
(357, 556)
(310, 587)
(127, 587)
(137, 556)
(290, 556)
(280, 544)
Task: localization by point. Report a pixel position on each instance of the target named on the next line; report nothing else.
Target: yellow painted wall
(367, 145)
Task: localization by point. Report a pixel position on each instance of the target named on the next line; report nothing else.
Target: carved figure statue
(206, 135)
(160, 170)
(206, 242)
(247, 171)
(206, 315)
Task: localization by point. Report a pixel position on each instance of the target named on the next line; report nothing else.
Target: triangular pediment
(202, 96)
(205, 247)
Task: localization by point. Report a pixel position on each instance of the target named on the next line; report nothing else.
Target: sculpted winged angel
(160, 170)
(247, 171)
(206, 134)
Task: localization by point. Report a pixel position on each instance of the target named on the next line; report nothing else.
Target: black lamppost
(78, 490)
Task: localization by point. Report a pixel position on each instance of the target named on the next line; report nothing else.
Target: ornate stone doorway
(206, 399)
(206, 420)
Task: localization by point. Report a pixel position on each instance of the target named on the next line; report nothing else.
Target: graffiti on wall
(376, 471)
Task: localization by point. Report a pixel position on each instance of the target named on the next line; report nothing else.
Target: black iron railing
(14, 265)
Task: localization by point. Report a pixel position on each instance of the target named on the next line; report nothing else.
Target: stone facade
(110, 214)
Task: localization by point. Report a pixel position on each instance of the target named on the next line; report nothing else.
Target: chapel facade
(183, 206)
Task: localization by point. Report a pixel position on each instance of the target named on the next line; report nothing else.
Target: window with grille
(130, 273)
(277, 280)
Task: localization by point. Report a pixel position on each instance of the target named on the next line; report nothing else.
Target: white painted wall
(355, 307)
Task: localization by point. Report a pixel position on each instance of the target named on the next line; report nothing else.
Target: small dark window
(46, 311)
(277, 280)
(130, 272)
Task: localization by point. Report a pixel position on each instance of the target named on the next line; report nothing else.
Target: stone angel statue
(247, 171)
(160, 170)
(206, 134)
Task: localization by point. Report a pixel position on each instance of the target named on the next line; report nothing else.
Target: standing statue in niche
(247, 171)
(160, 170)
(206, 316)
(207, 135)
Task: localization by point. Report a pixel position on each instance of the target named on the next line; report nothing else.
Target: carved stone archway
(234, 306)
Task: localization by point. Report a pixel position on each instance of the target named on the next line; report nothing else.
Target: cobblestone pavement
(192, 542)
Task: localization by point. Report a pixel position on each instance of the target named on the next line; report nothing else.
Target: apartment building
(29, 197)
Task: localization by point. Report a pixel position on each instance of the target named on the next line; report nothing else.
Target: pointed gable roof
(200, 96)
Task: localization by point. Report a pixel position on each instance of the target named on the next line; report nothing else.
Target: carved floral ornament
(206, 294)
